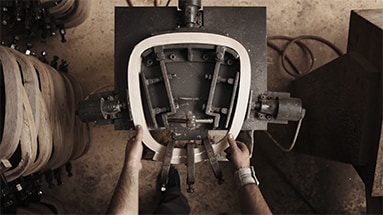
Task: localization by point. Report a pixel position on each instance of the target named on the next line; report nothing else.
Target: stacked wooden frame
(39, 127)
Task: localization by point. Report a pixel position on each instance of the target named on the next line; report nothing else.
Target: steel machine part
(191, 16)
(195, 74)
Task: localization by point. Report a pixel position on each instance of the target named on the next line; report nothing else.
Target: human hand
(238, 153)
(134, 150)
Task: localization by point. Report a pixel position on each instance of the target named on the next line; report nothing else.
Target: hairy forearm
(252, 201)
(125, 197)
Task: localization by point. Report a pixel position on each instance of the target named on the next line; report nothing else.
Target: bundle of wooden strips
(39, 128)
(69, 12)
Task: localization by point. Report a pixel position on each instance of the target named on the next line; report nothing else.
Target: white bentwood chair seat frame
(136, 108)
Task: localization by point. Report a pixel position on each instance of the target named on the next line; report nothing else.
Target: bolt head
(190, 189)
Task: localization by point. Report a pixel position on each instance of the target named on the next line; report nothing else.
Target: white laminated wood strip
(65, 120)
(13, 120)
(39, 115)
(45, 140)
(81, 143)
(31, 84)
(28, 143)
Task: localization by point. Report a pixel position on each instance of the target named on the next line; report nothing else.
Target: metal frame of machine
(239, 36)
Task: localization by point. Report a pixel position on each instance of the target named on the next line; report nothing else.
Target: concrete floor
(291, 183)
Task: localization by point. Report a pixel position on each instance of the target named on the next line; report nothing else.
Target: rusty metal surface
(186, 86)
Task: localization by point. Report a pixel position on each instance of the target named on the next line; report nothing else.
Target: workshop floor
(290, 182)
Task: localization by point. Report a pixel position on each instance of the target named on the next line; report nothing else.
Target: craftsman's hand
(134, 150)
(237, 153)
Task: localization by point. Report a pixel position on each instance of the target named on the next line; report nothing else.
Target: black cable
(155, 3)
(167, 4)
(280, 51)
(297, 40)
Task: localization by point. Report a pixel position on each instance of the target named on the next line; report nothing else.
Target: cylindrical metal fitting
(89, 110)
(190, 10)
(184, 3)
(289, 109)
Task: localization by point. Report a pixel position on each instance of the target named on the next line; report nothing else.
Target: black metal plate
(245, 24)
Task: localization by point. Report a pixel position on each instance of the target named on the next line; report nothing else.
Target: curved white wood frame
(67, 115)
(13, 119)
(45, 140)
(134, 68)
(62, 133)
(81, 130)
(28, 143)
(48, 94)
(31, 85)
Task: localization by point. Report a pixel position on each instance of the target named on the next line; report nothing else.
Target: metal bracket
(166, 165)
(233, 95)
(190, 14)
(277, 107)
(213, 160)
(160, 56)
(101, 108)
(190, 166)
(220, 53)
(110, 107)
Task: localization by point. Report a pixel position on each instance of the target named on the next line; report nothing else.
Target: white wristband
(244, 176)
